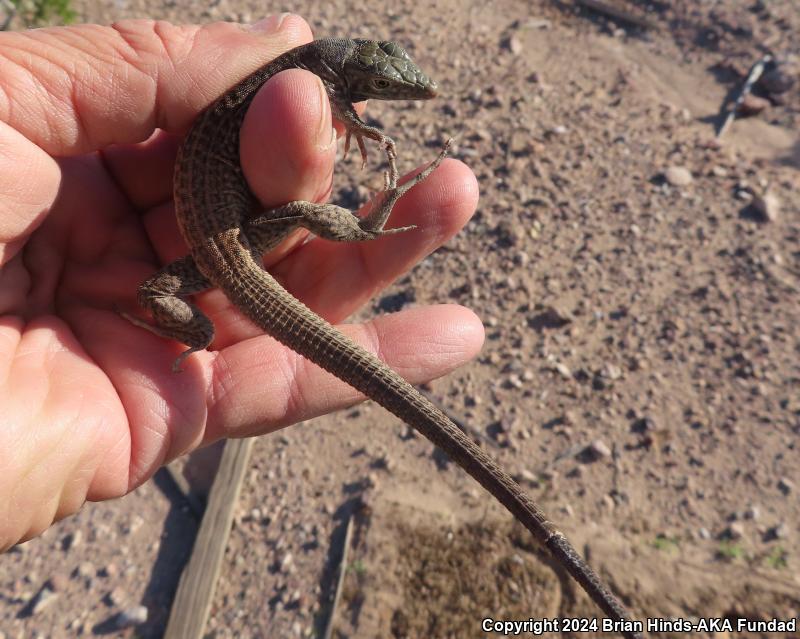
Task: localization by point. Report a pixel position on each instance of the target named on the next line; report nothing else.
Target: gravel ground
(640, 285)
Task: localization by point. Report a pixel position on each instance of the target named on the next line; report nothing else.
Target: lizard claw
(399, 229)
(346, 144)
(362, 148)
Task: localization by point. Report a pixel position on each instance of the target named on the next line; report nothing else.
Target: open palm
(90, 407)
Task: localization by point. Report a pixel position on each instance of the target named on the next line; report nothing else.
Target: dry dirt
(640, 376)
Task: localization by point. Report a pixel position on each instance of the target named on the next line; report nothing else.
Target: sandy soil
(641, 374)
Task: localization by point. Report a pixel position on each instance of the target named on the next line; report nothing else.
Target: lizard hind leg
(174, 317)
(383, 204)
(336, 223)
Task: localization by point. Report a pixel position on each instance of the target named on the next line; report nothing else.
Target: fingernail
(326, 134)
(270, 24)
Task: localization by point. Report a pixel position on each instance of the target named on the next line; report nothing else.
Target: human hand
(90, 122)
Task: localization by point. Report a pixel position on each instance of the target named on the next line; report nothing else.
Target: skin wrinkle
(5, 98)
(218, 389)
(136, 58)
(10, 337)
(370, 331)
(137, 468)
(93, 82)
(112, 248)
(119, 390)
(42, 88)
(297, 397)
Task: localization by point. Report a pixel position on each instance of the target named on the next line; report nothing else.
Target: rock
(43, 600)
(130, 527)
(71, 540)
(520, 142)
(598, 449)
(116, 597)
(536, 23)
(553, 316)
(752, 105)
(611, 371)
(703, 533)
(785, 485)
(678, 176)
(110, 570)
(776, 81)
(85, 569)
(734, 531)
(513, 44)
(781, 531)
(563, 370)
(58, 582)
(719, 171)
(768, 206)
(286, 562)
(130, 617)
(754, 512)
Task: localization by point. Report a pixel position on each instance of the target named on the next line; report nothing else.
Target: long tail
(269, 306)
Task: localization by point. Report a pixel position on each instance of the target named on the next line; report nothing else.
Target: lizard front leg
(344, 112)
(338, 224)
(175, 317)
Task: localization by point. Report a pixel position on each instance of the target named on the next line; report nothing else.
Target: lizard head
(384, 71)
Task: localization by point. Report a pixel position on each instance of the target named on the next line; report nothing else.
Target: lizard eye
(381, 83)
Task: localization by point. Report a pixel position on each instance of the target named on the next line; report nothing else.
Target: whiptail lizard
(216, 214)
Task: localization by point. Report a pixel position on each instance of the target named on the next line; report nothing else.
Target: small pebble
(719, 171)
(71, 540)
(130, 617)
(785, 485)
(678, 176)
(58, 582)
(612, 371)
(116, 597)
(598, 449)
(563, 370)
(43, 600)
(734, 531)
(752, 105)
(754, 512)
(286, 562)
(777, 81)
(515, 45)
(85, 569)
(768, 206)
(781, 531)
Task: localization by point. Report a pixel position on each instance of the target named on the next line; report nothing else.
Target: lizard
(218, 218)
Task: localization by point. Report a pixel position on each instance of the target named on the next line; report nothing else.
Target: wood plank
(187, 619)
(348, 536)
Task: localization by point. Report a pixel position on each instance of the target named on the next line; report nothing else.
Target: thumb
(74, 90)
